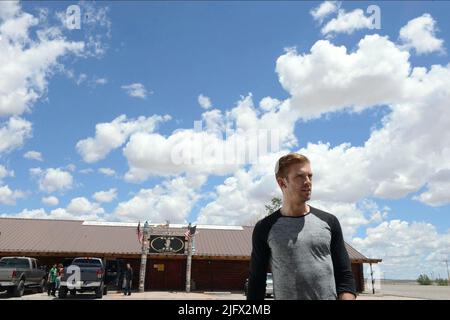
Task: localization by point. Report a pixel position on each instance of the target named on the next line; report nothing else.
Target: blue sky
(375, 129)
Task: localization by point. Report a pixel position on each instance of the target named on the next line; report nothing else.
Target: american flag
(139, 232)
(189, 234)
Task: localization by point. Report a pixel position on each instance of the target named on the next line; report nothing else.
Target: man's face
(298, 184)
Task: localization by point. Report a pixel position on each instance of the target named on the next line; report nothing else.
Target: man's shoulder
(328, 217)
(262, 227)
(268, 221)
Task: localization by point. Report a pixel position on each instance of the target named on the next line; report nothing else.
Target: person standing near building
(52, 276)
(128, 279)
(60, 273)
(304, 246)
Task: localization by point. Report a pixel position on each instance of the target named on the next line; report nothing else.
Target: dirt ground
(401, 291)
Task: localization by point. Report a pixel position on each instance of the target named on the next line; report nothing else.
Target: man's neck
(295, 209)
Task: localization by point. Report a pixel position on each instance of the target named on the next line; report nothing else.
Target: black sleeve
(259, 263)
(343, 275)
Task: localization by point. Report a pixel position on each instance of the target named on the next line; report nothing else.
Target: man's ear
(281, 183)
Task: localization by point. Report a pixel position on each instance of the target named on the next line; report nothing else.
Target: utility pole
(448, 274)
(144, 252)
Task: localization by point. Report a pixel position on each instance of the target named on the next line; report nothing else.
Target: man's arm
(346, 296)
(258, 264)
(345, 282)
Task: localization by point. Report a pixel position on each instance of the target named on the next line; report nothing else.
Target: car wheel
(42, 285)
(10, 291)
(105, 290)
(99, 292)
(19, 290)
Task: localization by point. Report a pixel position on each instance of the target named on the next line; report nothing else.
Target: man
(303, 245)
(128, 277)
(52, 275)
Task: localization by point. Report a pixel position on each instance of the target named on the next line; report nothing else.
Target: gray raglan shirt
(307, 256)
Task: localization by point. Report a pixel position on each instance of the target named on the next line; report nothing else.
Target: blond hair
(283, 164)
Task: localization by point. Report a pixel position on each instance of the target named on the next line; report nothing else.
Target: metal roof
(72, 236)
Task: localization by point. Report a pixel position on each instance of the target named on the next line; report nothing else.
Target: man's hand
(347, 296)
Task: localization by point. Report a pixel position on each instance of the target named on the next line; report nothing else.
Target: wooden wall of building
(219, 274)
(165, 274)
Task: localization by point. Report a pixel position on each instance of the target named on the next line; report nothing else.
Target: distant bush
(441, 282)
(424, 280)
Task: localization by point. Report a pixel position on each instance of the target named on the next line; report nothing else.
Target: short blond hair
(283, 164)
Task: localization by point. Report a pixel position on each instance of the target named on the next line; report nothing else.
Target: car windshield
(14, 263)
(87, 263)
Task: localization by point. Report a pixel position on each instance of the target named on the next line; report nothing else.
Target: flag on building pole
(189, 234)
(139, 232)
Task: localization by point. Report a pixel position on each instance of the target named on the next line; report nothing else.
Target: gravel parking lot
(415, 291)
(387, 292)
(149, 295)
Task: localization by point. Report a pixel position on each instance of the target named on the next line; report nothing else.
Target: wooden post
(188, 266)
(373, 281)
(144, 252)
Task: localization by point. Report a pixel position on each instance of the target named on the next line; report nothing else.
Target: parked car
(269, 286)
(19, 273)
(91, 277)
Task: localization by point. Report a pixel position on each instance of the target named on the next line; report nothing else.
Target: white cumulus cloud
(8, 196)
(420, 34)
(35, 155)
(27, 62)
(172, 200)
(204, 101)
(59, 213)
(330, 79)
(105, 196)
(136, 90)
(50, 201)
(111, 135)
(348, 22)
(407, 248)
(325, 9)
(52, 179)
(13, 133)
(82, 206)
(4, 172)
(228, 141)
(107, 171)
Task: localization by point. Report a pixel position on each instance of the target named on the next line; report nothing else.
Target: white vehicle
(269, 286)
